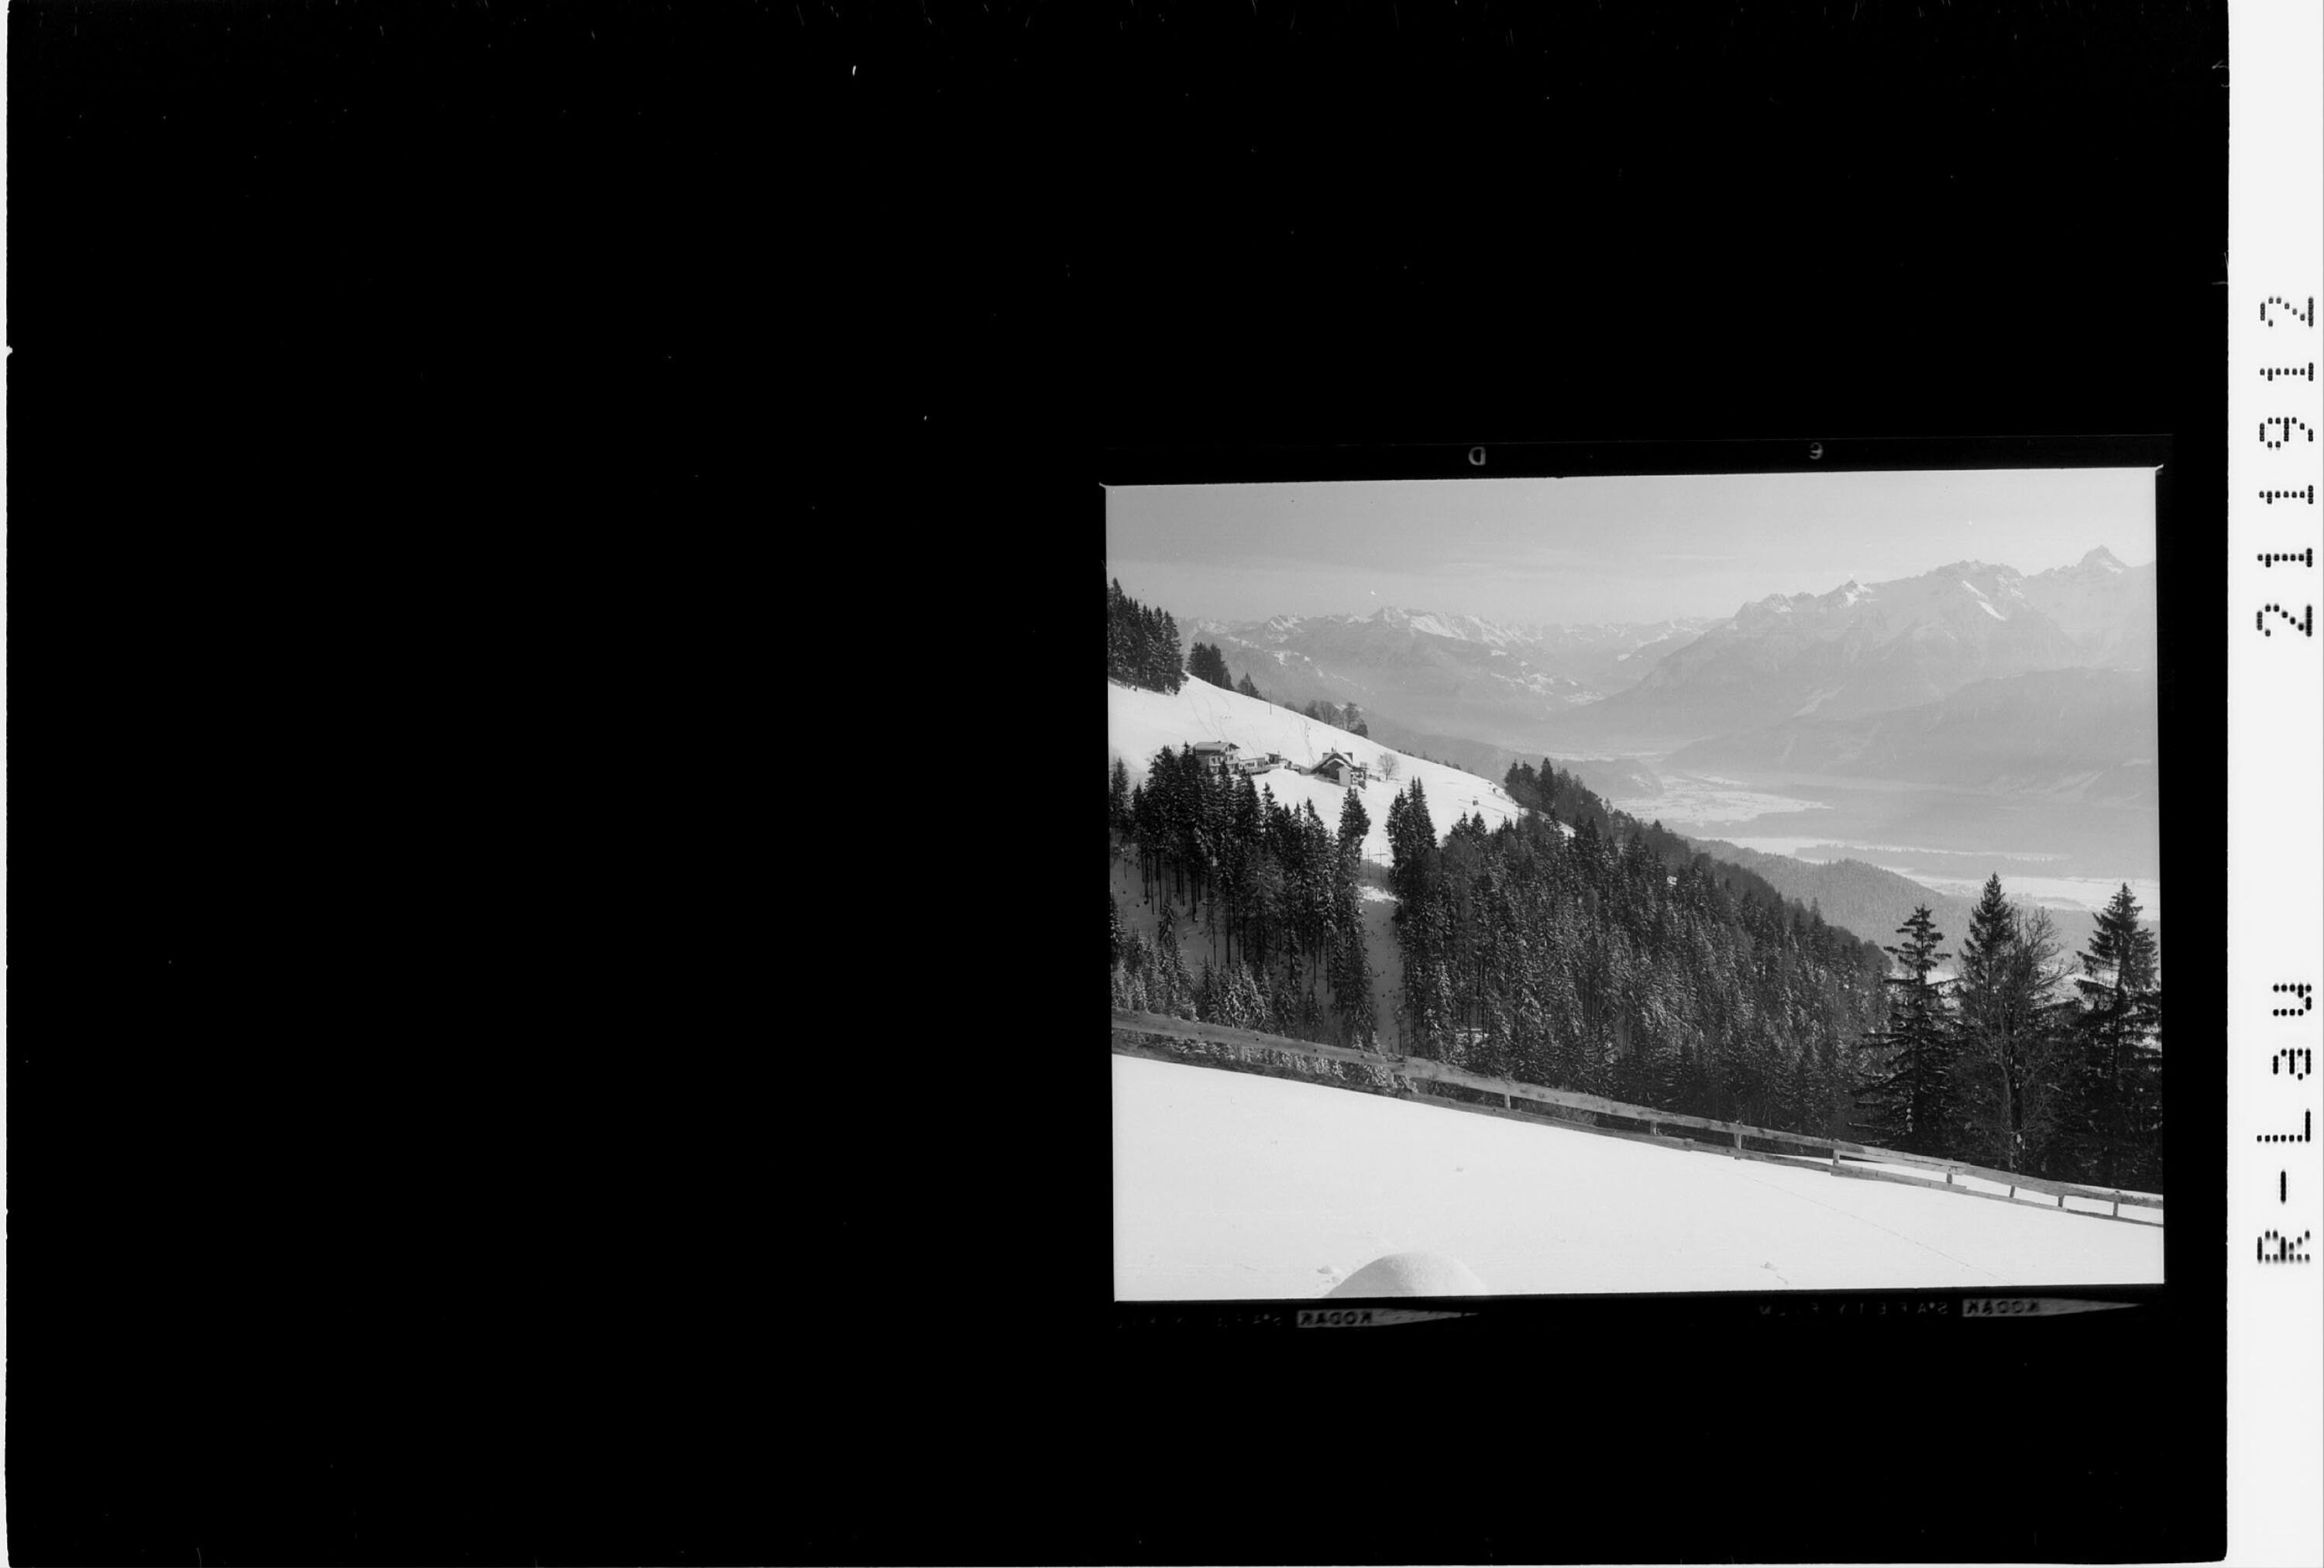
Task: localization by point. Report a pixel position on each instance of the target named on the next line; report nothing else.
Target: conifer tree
(1355, 822)
(2006, 1034)
(1129, 979)
(1909, 1094)
(1166, 652)
(1352, 979)
(1118, 802)
(1245, 686)
(2116, 1092)
(1171, 990)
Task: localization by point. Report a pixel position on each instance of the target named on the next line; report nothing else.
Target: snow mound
(1411, 1274)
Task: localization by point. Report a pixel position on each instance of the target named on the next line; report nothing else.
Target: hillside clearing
(1139, 722)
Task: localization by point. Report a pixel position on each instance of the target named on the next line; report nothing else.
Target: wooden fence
(1796, 1148)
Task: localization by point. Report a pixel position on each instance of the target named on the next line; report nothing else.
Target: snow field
(1229, 1185)
(1138, 722)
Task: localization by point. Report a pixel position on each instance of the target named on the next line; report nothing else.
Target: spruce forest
(1579, 949)
(1141, 643)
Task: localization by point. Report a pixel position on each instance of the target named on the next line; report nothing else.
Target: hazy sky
(1600, 548)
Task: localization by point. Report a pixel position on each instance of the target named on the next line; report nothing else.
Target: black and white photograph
(544, 536)
(1619, 883)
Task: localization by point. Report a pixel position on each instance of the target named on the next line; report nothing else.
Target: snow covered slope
(1228, 1185)
(1141, 722)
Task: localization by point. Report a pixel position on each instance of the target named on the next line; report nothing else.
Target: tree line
(1141, 643)
(1996, 1068)
(1206, 662)
(1272, 893)
(1337, 716)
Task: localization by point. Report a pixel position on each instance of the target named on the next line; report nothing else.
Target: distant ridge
(1864, 649)
(1430, 671)
(1871, 900)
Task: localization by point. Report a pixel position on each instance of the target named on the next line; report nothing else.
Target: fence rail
(1828, 1153)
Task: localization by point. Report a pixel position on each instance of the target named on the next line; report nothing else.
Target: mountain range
(1864, 649)
(1433, 672)
(1854, 651)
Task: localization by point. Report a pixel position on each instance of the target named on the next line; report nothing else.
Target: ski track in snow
(1964, 1262)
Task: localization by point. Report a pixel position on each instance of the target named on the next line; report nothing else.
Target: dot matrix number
(2284, 1248)
(2307, 1133)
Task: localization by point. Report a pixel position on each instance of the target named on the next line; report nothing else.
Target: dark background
(464, 464)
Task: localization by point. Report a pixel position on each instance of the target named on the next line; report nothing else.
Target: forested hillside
(1561, 794)
(1588, 963)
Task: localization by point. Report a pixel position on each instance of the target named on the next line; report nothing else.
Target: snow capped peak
(2103, 559)
(1426, 623)
(1957, 569)
(1453, 627)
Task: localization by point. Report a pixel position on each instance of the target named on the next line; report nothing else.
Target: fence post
(1738, 1140)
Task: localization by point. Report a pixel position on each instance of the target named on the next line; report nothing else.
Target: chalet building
(1340, 769)
(1227, 756)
